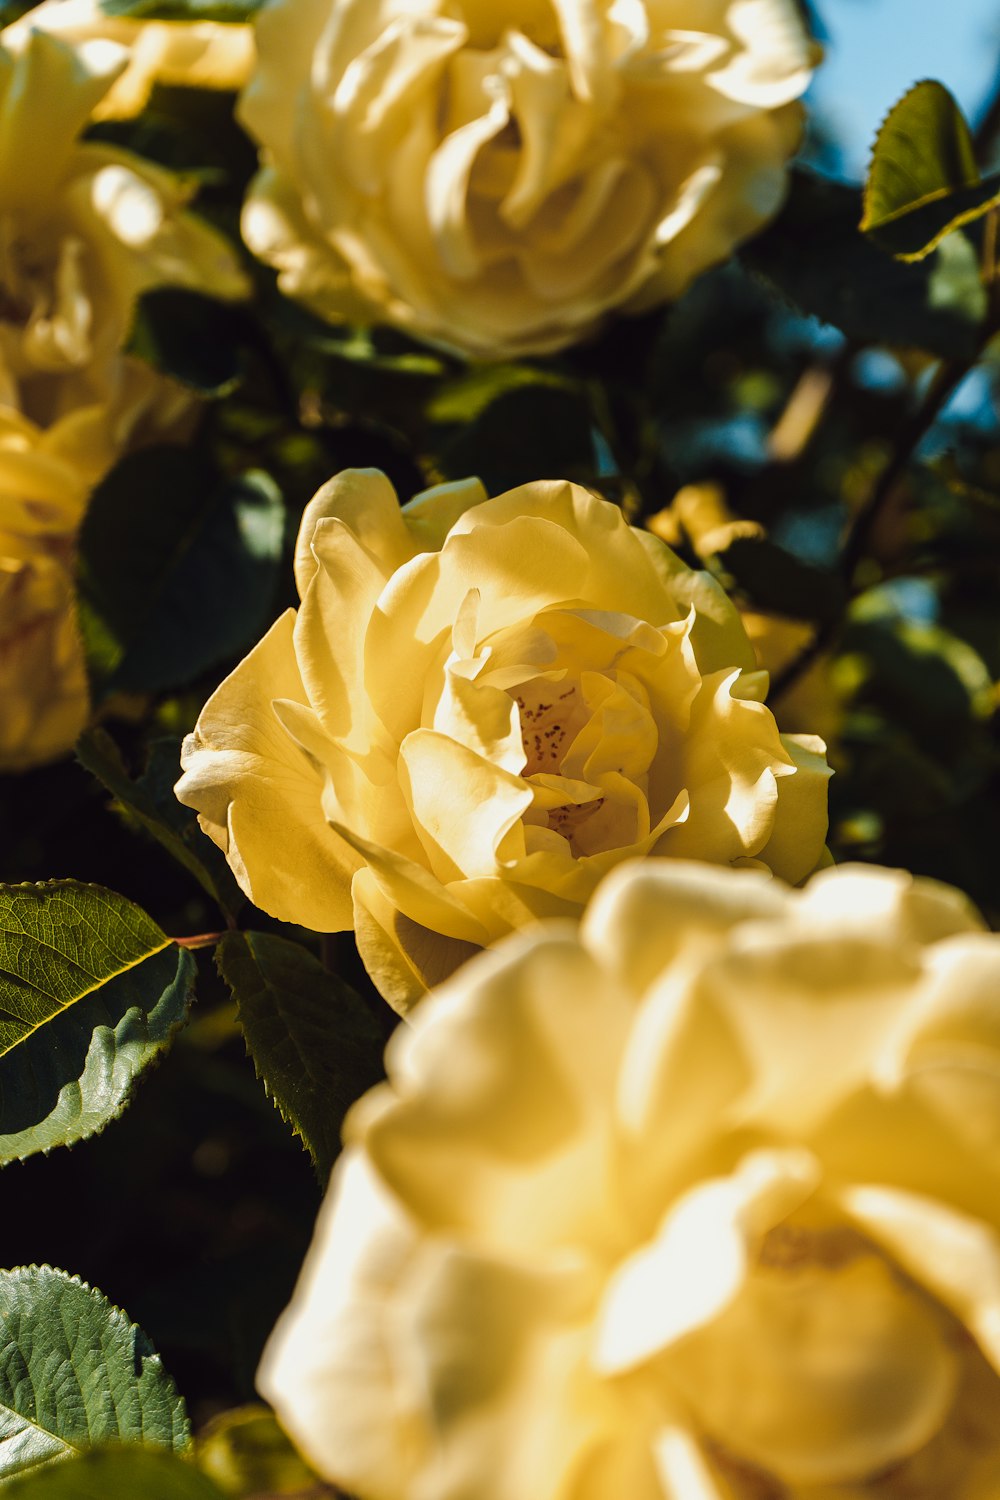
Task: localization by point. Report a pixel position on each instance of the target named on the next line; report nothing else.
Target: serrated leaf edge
(865, 224)
(46, 885)
(23, 1272)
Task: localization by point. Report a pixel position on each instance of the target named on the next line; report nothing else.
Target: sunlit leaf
(91, 991)
(815, 255)
(923, 181)
(75, 1372)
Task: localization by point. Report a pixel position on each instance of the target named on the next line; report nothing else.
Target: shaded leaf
(815, 255)
(923, 181)
(150, 800)
(194, 338)
(183, 10)
(74, 1372)
(126, 1473)
(315, 1045)
(777, 580)
(177, 569)
(91, 991)
(541, 430)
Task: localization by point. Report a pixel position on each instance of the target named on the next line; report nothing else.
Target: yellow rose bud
(194, 54)
(85, 228)
(496, 178)
(480, 707)
(701, 1202)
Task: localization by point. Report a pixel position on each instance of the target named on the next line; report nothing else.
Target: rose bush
(496, 178)
(699, 1204)
(195, 54)
(479, 708)
(85, 228)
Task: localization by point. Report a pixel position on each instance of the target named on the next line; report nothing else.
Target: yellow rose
(702, 1203)
(84, 229)
(480, 707)
(45, 479)
(43, 680)
(496, 177)
(195, 54)
(46, 476)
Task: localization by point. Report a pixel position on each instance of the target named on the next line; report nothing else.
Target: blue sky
(877, 48)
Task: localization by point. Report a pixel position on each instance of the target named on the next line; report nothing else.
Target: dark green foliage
(314, 1043)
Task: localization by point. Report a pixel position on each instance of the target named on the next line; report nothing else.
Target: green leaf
(315, 1045)
(467, 396)
(126, 1473)
(183, 10)
(151, 803)
(191, 337)
(91, 991)
(923, 181)
(776, 579)
(74, 1372)
(247, 1453)
(817, 258)
(529, 431)
(177, 569)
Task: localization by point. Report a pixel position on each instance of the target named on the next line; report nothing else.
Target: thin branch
(946, 379)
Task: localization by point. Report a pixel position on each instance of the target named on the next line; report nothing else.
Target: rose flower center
(827, 1367)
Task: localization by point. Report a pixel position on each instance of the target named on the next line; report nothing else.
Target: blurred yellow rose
(701, 1204)
(43, 680)
(84, 229)
(46, 476)
(195, 54)
(481, 707)
(497, 177)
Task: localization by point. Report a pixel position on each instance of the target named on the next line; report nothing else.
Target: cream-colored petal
(366, 503)
(823, 1377)
(462, 804)
(432, 513)
(331, 632)
(699, 1260)
(359, 1416)
(795, 846)
(501, 1129)
(417, 893)
(954, 1257)
(37, 141)
(777, 59)
(403, 959)
(259, 796)
(647, 915)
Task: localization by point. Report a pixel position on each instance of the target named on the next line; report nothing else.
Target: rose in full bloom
(702, 1203)
(496, 178)
(85, 228)
(195, 54)
(479, 708)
